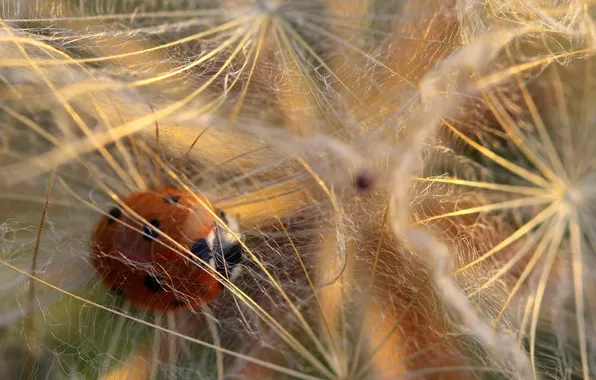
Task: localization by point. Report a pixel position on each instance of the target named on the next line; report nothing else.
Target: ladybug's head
(226, 249)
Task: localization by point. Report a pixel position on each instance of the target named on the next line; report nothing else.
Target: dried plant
(411, 180)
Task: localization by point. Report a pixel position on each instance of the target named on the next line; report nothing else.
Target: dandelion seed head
(402, 209)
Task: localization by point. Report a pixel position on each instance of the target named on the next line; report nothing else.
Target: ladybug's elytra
(140, 261)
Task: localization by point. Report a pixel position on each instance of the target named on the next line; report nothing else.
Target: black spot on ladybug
(114, 214)
(201, 249)
(178, 303)
(172, 199)
(150, 232)
(153, 284)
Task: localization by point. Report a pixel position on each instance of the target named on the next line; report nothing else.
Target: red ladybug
(139, 261)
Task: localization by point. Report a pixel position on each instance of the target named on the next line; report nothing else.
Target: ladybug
(137, 258)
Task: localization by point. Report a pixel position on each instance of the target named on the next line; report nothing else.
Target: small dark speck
(151, 232)
(153, 284)
(172, 199)
(364, 180)
(114, 214)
